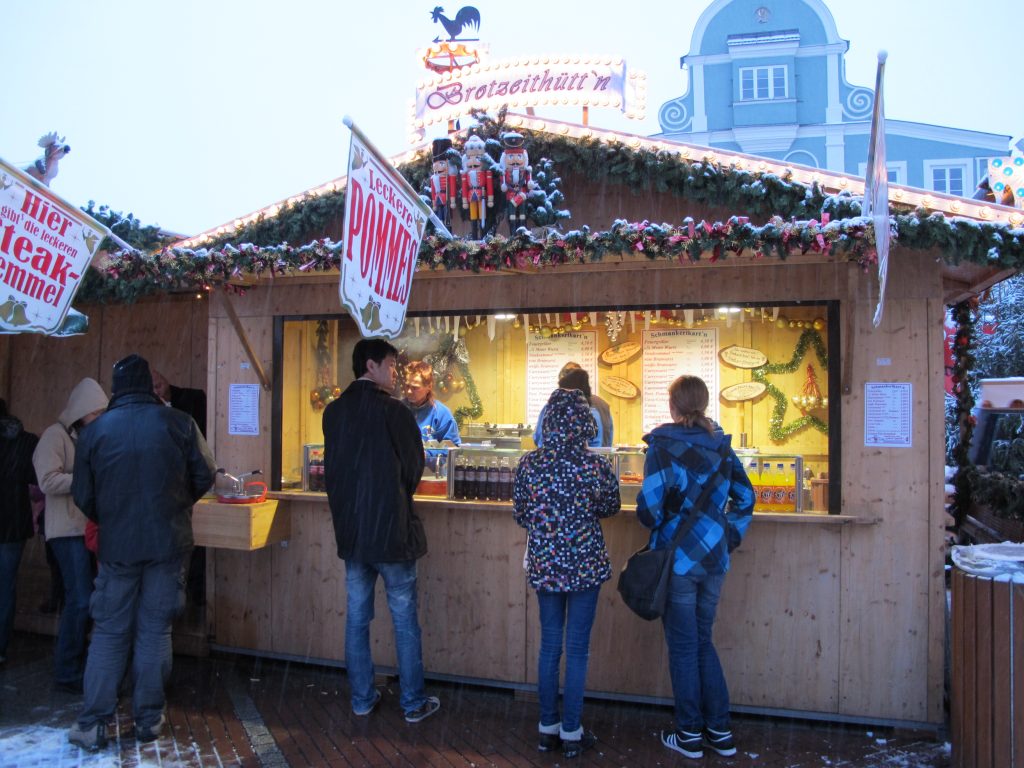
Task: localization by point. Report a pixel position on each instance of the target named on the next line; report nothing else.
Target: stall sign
(384, 225)
(46, 245)
(527, 83)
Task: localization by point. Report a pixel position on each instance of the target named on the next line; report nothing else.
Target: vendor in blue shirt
(572, 376)
(435, 420)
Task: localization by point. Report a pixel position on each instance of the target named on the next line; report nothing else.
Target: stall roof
(832, 182)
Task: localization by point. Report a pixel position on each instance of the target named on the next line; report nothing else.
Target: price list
(888, 414)
(670, 353)
(545, 358)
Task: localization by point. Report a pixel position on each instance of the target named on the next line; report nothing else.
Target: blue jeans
(133, 607)
(568, 615)
(76, 572)
(698, 683)
(10, 559)
(400, 585)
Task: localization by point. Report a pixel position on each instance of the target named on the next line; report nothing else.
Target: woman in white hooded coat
(54, 459)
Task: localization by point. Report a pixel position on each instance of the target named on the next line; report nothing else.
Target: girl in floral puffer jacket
(561, 491)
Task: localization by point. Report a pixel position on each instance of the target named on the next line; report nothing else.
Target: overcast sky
(189, 113)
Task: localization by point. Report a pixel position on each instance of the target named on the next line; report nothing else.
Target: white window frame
(897, 166)
(965, 164)
(770, 71)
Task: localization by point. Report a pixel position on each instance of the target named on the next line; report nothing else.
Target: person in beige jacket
(64, 527)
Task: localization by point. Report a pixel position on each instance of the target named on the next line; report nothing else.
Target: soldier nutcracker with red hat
(516, 179)
(477, 185)
(443, 181)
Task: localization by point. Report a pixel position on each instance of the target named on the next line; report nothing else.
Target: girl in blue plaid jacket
(682, 457)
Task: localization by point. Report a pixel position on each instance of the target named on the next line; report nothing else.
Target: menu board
(545, 358)
(668, 354)
(888, 414)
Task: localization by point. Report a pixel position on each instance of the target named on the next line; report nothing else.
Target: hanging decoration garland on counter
(324, 392)
(777, 431)
(450, 361)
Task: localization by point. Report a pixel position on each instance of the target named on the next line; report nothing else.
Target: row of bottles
(486, 479)
(775, 487)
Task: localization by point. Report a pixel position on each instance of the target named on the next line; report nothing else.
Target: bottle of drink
(469, 487)
(459, 478)
(791, 487)
(779, 489)
(755, 480)
(505, 480)
(493, 479)
(767, 491)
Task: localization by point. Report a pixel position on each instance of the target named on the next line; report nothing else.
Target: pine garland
(965, 316)
(777, 430)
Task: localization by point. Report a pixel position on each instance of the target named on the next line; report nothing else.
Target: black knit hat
(131, 374)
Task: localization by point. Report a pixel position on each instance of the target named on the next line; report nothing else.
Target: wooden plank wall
(987, 648)
(170, 332)
(814, 616)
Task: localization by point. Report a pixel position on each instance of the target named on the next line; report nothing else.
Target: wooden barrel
(987, 672)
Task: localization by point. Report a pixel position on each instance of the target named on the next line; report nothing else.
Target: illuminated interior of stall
(767, 369)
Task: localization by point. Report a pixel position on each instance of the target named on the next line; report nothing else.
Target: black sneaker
(548, 742)
(685, 743)
(146, 734)
(92, 738)
(576, 747)
(424, 710)
(720, 741)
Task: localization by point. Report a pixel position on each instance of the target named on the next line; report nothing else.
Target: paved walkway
(244, 711)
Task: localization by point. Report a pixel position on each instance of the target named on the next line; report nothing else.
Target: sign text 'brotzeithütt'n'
(46, 245)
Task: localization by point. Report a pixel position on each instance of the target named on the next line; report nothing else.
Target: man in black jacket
(373, 460)
(139, 468)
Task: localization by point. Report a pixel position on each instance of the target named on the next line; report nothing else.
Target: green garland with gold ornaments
(777, 430)
(452, 354)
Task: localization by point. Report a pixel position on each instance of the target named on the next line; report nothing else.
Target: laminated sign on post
(46, 245)
(384, 223)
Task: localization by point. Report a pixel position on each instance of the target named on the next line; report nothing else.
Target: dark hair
(689, 397)
(575, 378)
(370, 349)
(570, 366)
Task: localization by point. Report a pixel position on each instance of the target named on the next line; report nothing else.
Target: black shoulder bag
(643, 581)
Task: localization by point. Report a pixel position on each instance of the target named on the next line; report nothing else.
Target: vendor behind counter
(434, 418)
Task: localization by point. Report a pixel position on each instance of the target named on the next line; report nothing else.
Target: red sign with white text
(46, 245)
(383, 230)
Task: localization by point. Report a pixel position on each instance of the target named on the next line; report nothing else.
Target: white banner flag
(46, 245)
(876, 188)
(384, 224)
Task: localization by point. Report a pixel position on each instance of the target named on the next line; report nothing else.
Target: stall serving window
(767, 367)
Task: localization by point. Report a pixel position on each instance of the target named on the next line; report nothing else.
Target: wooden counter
(479, 616)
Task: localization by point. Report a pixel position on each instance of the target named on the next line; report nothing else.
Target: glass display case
(778, 479)
(482, 472)
(313, 468)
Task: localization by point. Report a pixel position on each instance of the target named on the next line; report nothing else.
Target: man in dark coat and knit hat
(139, 468)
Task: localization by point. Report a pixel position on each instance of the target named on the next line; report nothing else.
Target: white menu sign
(888, 410)
(545, 358)
(670, 353)
(244, 409)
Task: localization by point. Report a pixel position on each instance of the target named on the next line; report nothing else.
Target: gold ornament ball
(824, 402)
(818, 324)
(577, 325)
(516, 322)
(545, 332)
(781, 323)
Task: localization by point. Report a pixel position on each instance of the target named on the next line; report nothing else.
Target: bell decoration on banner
(810, 397)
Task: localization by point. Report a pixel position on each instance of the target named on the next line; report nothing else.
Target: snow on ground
(39, 746)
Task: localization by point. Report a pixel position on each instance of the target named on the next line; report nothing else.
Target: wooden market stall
(835, 612)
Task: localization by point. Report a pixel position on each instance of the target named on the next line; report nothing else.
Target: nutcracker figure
(443, 181)
(516, 179)
(477, 185)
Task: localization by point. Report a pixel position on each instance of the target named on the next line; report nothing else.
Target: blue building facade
(767, 77)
